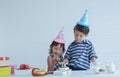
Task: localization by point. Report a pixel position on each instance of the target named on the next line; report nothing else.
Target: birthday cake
(64, 68)
(62, 71)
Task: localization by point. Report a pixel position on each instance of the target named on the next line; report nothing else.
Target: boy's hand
(102, 70)
(62, 63)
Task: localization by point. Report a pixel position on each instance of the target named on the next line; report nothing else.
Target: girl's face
(57, 50)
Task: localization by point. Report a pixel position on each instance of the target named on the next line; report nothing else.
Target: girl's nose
(57, 50)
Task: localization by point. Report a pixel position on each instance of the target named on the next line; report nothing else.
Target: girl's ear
(51, 46)
(50, 50)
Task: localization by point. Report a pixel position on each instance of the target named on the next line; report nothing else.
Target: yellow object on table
(5, 71)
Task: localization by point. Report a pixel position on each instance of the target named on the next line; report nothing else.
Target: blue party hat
(84, 20)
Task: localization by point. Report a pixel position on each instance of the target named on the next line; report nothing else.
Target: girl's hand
(56, 57)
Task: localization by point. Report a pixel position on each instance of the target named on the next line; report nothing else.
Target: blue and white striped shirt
(80, 54)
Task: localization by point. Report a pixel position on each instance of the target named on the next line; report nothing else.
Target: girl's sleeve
(67, 54)
(91, 52)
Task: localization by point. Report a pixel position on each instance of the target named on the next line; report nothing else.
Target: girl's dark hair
(83, 29)
(55, 44)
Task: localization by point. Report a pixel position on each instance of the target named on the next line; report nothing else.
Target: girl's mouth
(56, 53)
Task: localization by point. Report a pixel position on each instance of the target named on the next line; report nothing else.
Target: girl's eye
(60, 49)
(76, 34)
(55, 48)
(80, 35)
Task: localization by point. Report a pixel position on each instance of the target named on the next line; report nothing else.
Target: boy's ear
(86, 35)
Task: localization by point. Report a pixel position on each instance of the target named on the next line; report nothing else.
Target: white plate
(60, 72)
(23, 72)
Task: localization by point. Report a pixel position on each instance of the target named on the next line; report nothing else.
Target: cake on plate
(62, 71)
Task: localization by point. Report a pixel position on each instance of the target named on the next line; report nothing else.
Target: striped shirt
(57, 65)
(80, 54)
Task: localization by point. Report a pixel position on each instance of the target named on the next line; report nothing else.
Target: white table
(78, 74)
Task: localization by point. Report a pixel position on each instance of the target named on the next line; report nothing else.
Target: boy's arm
(92, 53)
(93, 60)
(67, 56)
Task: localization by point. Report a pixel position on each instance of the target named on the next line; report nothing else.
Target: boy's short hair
(83, 29)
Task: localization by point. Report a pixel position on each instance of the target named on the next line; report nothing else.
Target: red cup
(7, 58)
(1, 58)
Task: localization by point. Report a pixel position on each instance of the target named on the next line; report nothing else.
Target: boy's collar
(79, 42)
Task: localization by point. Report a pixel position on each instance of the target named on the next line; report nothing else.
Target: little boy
(81, 51)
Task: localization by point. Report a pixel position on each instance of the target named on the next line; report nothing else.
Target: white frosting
(64, 68)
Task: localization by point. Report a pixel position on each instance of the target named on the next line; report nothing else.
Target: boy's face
(79, 36)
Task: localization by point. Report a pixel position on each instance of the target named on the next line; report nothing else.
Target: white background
(27, 27)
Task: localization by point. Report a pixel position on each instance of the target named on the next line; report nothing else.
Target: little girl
(57, 49)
